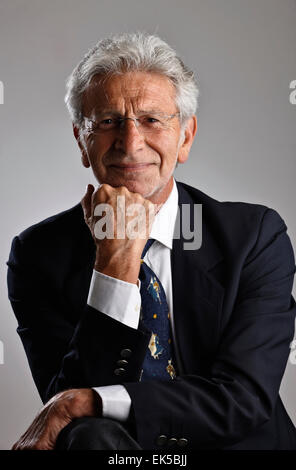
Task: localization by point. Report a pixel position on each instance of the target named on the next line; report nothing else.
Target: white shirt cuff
(116, 401)
(119, 299)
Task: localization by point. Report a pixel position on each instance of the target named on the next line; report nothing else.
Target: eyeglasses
(146, 124)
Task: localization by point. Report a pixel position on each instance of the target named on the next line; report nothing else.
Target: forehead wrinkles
(135, 91)
(126, 94)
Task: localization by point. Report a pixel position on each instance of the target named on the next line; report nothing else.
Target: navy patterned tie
(158, 362)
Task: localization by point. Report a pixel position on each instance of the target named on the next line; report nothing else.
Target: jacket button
(172, 441)
(161, 440)
(119, 371)
(125, 353)
(122, 362)
(182, 442)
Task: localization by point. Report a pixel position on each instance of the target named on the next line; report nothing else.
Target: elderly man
(136, 342)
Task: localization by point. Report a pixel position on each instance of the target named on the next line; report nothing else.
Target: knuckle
(122, 190)
(104, 188)
(137, 196)
(100, 195)
(149, 205)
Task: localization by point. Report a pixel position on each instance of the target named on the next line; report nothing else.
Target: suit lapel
(197, 296)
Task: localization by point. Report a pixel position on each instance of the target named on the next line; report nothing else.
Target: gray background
(244, 54)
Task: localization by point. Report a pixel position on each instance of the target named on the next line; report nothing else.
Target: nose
(129, 139)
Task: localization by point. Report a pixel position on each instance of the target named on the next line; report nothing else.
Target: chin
(137, 187)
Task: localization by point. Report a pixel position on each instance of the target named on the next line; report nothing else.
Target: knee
(90, 433)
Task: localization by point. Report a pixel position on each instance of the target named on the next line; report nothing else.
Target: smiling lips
(132, 167)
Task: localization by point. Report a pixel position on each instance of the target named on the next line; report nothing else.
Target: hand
(55, 415)
(118, 257)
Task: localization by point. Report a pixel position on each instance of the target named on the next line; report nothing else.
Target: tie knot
(147, 246)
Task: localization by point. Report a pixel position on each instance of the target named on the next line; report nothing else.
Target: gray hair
(132, 52)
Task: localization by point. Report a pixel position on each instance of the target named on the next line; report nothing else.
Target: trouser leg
(91, 433)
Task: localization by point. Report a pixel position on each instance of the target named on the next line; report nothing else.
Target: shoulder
(234, 222)
(54, 237)
(235, 211)
(54, 225)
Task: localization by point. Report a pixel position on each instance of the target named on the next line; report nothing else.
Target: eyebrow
(150, 111)
(140, 111)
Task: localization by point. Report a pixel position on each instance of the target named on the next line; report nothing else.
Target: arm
(65, 359)
(64, 353)
(122, 301)
(67, 345)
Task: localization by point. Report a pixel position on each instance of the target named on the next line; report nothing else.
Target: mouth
(131, 167)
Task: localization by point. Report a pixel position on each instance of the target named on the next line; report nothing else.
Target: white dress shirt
(121, 300)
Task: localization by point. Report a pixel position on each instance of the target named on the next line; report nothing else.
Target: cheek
(168, 151)
(96, 150)
(165, 147)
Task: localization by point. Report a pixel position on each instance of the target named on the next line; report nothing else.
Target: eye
(107, 122)
(152, 119)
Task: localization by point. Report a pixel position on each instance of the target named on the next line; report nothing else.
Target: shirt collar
(164, 221)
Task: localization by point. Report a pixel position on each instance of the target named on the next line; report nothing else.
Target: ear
(84, 157)
(189, 134)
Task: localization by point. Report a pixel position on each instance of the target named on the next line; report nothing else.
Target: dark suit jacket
(234, 318)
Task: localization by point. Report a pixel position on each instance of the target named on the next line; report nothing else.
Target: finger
(86, 201)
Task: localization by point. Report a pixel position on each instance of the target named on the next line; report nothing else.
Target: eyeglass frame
(136, 120)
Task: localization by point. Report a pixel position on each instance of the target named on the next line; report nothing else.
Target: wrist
(125, 268)
(126, 275)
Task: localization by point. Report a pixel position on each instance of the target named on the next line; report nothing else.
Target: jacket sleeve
(240, 391)
(64, 353)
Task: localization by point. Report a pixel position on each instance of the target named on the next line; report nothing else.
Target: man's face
(126, 156)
